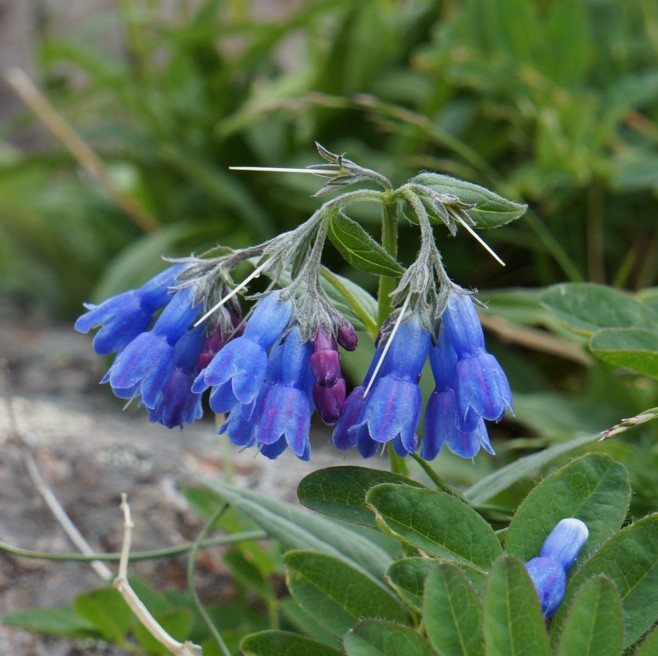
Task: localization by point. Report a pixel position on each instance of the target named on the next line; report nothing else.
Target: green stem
(435, 478)
(390, 245)
(136, 555)
(191, 562)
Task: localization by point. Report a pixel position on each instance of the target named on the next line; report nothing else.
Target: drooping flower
(237, 372)
(144, 365)
(480, 384)
(548, 571)
(391, 410)
(329, 386)
(281, 414)
(177, 404)
(443, 423)
(123, 317)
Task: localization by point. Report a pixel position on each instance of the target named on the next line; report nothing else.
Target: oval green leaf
(649, 646)
(513, 622)
(283, 643)
(341, 491)
(336, 594)
(490, 210)
(408, 576)
(377, 638)
(452, 613)
(360, 249)
(434, 522)
(594, 623)
(593, 488)
(588, 307)
(634, 348)
(630, 561)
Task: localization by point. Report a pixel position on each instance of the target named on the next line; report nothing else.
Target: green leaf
(513, 622)
(176, 622)
(593, 488)
(437, 523)
(353, 301)
(64, 622)
(360, 249)
(649, 646)
(452, 613)
(594, 622)
(341, 491)
(283, 643)
(630, 561)
(634, 348)
(336, 594)
(107, 611)
(490, 211)
(587, 307)
(377, 638)
(408, 576)
(489, 486)
(297, 528)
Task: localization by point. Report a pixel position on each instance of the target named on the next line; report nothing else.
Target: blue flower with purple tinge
(281, 414)
(123, 317)
(177, 404)
(548, 571)
(237, 372)
(443, 423)
(480, 384)
(144, 365)
(391, 409)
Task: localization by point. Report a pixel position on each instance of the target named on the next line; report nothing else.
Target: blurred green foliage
(554, 103)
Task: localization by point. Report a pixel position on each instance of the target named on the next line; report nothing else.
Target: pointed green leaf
(283, 643)
(513, 622)
(489, 486)
(377, 638)
(635, 348)
(630, 561)
(452, 613)
(587, 307)
(63, 621)
(649, 646)
(297, 528)
(490, 210)
(107, 611)
(341, 491)
(336, 594)
(408, 576)
(594, 622)
(360, 249)
(437, 523)
(593, 488)
(353, 301)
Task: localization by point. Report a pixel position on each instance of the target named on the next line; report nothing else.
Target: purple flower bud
(323, 342)
(347, 337)
(329, 401)
(325, 367)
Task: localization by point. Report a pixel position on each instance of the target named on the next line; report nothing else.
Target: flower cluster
(183, 333)
(470, 387)
(548, 571)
